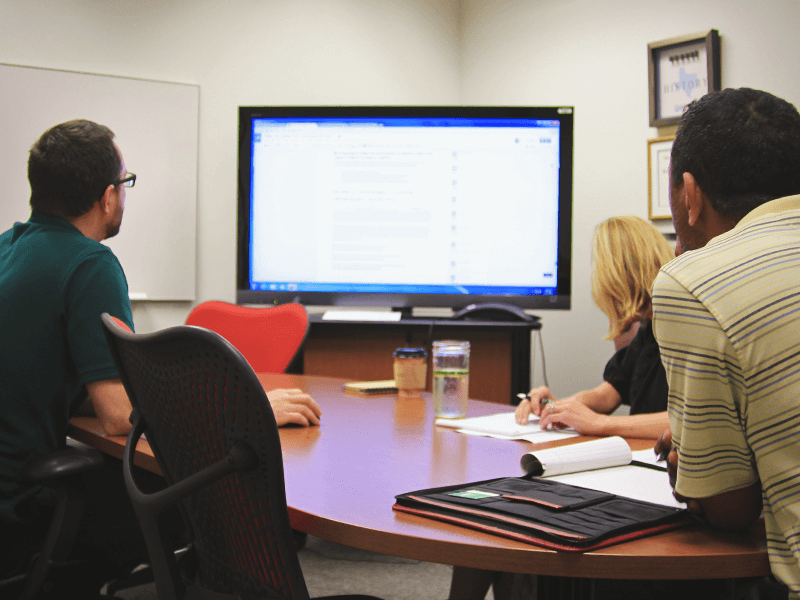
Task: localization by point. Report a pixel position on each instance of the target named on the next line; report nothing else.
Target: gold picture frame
(658, 155)
(680, 70)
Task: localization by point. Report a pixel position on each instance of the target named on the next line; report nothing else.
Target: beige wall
(242, 52)
(586, 53)
(593, 54)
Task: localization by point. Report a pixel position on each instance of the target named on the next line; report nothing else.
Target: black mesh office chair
(213, 433)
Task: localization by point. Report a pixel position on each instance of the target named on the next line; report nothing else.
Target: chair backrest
(200, 403)
(269, 338)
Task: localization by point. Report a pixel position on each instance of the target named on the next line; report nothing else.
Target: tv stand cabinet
(500, 352)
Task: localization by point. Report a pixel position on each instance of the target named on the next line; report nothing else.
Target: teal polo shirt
(54, 285)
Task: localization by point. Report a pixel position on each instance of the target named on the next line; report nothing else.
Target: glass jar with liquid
(450, 378)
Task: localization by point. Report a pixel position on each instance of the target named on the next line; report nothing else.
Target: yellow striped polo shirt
(727, 321)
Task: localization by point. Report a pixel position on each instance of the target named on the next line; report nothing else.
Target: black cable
(544, 367)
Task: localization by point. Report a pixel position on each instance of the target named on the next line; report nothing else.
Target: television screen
(405, 206)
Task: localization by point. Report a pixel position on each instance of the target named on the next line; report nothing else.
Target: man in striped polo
(727, 317)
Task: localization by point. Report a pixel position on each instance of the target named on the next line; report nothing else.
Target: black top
(637, 374)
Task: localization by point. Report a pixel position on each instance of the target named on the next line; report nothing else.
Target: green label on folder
(473, 494)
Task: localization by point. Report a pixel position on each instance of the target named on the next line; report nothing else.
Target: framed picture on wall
(680, 70)
(658, 153)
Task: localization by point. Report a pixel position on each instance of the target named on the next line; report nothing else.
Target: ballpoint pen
(665, 452)
(542, 402)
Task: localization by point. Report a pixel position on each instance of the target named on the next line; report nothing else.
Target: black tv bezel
(562, 299)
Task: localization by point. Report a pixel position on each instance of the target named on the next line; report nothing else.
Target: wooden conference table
(341, 479)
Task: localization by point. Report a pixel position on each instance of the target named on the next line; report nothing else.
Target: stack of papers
(504, 426)
(605, 465)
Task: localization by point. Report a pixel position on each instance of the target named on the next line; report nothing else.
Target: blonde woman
(627, 253)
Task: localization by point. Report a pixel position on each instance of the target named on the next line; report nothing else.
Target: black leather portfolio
(546, 513)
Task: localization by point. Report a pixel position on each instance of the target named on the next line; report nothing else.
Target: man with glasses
(56, 279)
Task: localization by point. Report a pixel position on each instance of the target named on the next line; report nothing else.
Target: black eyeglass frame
(128, 181)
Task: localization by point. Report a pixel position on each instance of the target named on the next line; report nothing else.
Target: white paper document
(505, 427)
(361, 315)
(605, 465)
(649, 457)
(598, 454)
(639, 483)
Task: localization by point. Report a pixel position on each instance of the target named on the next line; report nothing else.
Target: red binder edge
(536, 541)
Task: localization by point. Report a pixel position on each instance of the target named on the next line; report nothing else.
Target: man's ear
(693, 197)
(105, 199)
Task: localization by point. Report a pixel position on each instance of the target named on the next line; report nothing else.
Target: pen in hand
(665, 442)
(542, 402)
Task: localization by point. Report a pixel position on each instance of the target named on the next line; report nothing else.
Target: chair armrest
(60, 470)
(61, 464)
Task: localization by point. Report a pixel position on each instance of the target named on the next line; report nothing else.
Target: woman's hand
(537, 398)
(571, 412)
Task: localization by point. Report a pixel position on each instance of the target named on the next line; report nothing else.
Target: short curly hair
(70, 167)
(743, 148)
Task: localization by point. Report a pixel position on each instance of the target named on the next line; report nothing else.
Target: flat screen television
(405, 206)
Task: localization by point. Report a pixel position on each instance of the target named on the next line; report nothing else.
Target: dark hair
(70, 167)
(743, 148)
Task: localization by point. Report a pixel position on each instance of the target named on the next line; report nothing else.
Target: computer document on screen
(405, 205)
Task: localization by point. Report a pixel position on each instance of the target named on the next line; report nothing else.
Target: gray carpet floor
(331, 569)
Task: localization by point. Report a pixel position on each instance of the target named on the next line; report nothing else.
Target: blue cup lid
(410, 353)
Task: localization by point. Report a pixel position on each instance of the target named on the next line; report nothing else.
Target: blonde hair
(627, 253)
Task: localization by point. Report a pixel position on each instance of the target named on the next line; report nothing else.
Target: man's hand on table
(294, 406)
(665, 451)
(664, 448)
(734, 510)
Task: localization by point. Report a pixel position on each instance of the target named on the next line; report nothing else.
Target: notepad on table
(606, 465)
(598, 454)
(505, 427)
(385, 386)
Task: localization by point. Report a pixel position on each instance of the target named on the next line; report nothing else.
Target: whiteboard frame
(156, 125)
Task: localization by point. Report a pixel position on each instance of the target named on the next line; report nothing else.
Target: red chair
(269, 338)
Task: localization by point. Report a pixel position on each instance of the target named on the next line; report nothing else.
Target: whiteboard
(156, 127)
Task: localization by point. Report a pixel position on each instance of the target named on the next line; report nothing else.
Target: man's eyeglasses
(128, 181)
